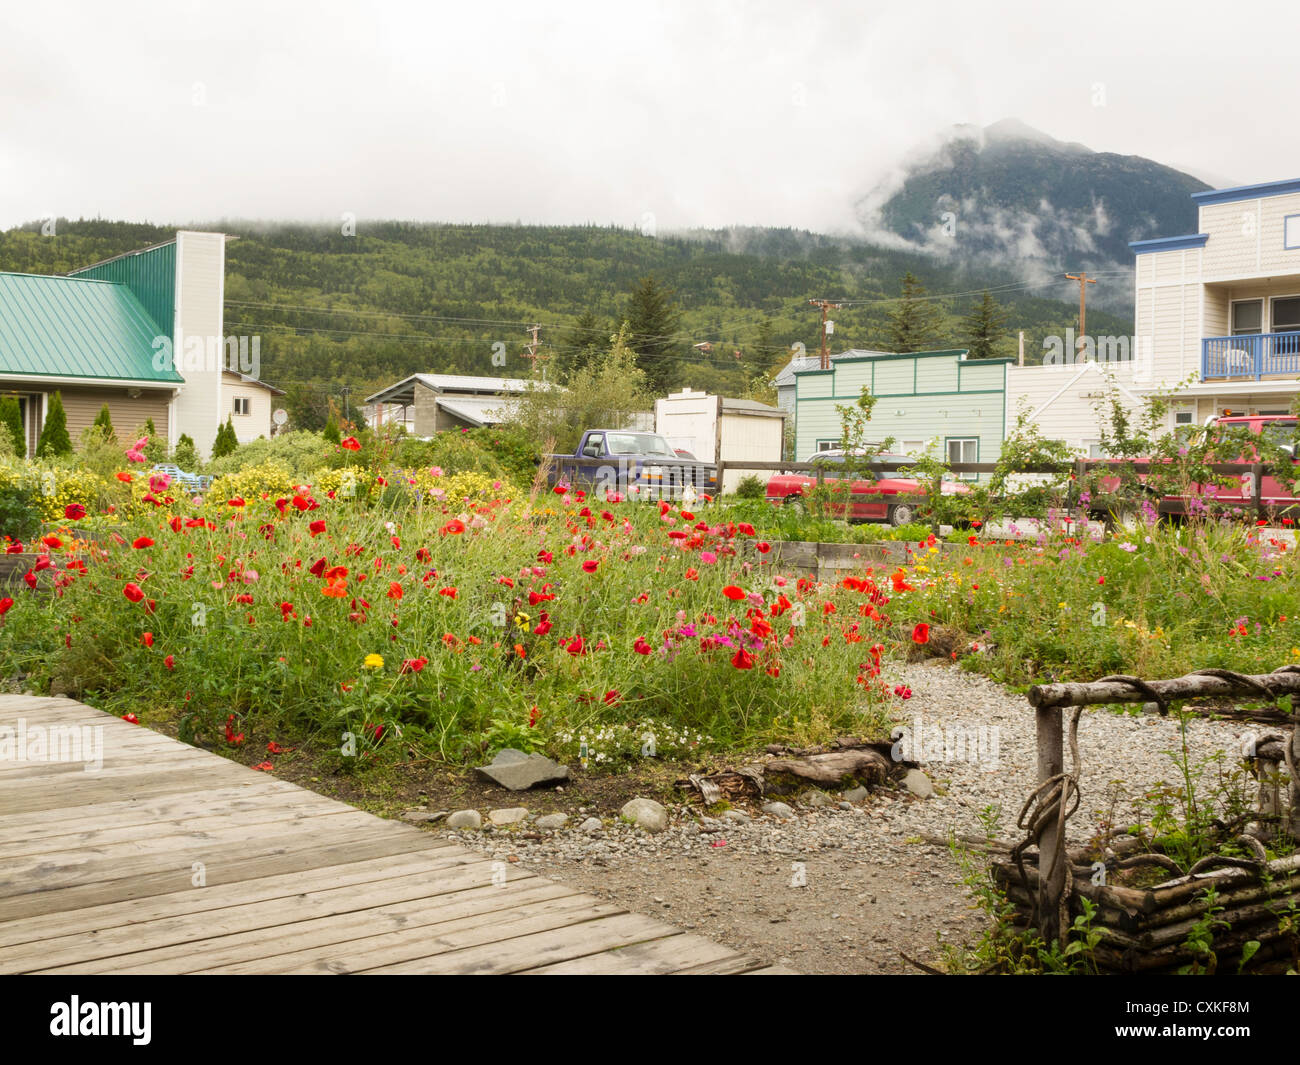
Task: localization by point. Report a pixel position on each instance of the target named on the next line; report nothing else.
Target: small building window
(243, 405)
(1247, 317)
(964, 449)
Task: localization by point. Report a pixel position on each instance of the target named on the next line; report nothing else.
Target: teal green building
(924, 399)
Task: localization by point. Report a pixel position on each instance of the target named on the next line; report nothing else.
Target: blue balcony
(1256, 355)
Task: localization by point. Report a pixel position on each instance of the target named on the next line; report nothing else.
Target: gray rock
(465, 819)
(778, 809)
(738, 816)
(918, 784)
(591, 826)
(846, 805)
(550, 822)
(646, 813)
(421, 817)
(856, 795)
(517, 771)
(511, 816)
(813, 797)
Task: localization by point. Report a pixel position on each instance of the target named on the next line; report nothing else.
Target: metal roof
(751, 406)
(404, 390)
(72, 328)
(477, 410)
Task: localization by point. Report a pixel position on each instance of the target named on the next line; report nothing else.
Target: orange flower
(336, 588)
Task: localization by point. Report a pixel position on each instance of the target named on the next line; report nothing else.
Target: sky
(657, 116)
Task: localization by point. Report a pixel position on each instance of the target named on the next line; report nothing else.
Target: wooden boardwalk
(169, 859)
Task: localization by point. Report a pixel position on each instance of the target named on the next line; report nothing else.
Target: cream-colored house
(1216, 325)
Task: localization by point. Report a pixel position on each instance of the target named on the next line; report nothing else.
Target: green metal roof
(68, 327)
(150, 273)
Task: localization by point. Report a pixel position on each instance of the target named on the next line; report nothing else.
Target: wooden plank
(245, 935)
(75, 774)
(773, 970)
(658, 957)
(416, 946)
(736, 965)
(95, 789)
(369, 871)
(253, 864)
(527, 949)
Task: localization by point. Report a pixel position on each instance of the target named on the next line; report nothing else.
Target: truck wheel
(796, 504)
(901, 514)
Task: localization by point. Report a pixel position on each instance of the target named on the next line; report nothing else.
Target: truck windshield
(639, 444)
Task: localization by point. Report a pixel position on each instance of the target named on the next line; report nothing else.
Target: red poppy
(414, 665)
(576, 646)
(544, 625)
(334, 572)
(265, 767)
(52, 542)
(454, 527)
(147, 639)
(742, 659)
(449, 592)
(133, 592)
(336, 588)
(350, 444)
(131, 719)
(316, 528)
(763, 547)
(921, 634)
(123, 476)
(732, 592)
(5, 604)
(692, 574)
(74, 512)
(141, 542)
(394, 590)
(590, 566)
(237, 502)
(16, 548)
(641, 647)
(170, 661)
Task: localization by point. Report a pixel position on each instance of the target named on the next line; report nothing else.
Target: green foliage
(54, 441)
(302, 453)
(20, 518)
(11, 426)
(104, 419)
(982, 329)
(186, 455)
(915, 323)
(331, 431)
(653, 323)
(751, 487)
(598, 396)
(226, 442)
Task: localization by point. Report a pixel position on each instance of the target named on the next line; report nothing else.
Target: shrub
(751, 487)
(54, 441)
(186, 455)
(11, 425)
(301, 451)
(104, 420)
(271, 478)
(226, 442)
(20, 519)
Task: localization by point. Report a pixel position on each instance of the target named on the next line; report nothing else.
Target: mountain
(1011, 194)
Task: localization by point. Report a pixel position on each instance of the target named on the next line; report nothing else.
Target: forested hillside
(396, 298)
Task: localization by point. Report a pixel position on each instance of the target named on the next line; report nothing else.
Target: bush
(301, 451)
(751, 487)
(226, 442)
(104, 421)
(186, 455)
(54, 441)
(11, 426)
(271, 478)
(19, 517)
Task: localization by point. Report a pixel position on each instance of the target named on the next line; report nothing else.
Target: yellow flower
(374, 661)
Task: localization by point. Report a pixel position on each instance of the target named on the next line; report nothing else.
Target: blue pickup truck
(636, 464)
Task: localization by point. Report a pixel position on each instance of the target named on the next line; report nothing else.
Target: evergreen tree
(982, 328)
(331, 431)
(11, 421)
(187, 455)
(587, 338)
(914, 322)
(105, 421)
(54, 440)
(653, 322)
(226, 441)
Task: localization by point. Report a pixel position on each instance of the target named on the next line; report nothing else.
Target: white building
(714, 428)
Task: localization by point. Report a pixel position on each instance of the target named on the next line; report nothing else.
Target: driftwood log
(783, 769)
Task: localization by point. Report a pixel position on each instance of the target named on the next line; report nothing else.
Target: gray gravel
(872, 884)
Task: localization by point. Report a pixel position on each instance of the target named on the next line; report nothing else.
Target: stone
(813, 797)
(738, 816)
(645, 813)
(918, 784)
(511, 816)
(421, 817)
(550, 822)
(465, 819)
(856, 794)
(778, 809)
(591, 826)
(517, 771)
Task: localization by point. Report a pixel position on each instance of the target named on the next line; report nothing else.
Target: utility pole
(825, 352)
(531, 354)
(1084, 281)
(346, 390)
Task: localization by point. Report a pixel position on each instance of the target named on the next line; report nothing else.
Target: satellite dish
(280, 416)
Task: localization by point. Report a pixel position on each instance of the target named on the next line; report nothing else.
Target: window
(827, 445)
(1286, 314)
(1247, 317)
(1095, 451)
(913, 447)
(1183, 417)
(964, 449)
(1291, 232)
(243, 405)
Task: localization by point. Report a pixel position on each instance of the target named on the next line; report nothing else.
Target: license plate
(655, 471)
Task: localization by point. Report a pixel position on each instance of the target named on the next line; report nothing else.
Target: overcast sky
(682, 114)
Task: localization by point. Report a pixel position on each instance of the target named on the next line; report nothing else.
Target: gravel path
(843, 888)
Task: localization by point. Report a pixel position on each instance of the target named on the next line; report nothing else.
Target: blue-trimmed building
(924, 398)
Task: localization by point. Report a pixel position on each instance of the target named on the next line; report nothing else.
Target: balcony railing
(1256, 355)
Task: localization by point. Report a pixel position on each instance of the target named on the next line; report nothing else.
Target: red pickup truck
(895, 500)
(1274, 496)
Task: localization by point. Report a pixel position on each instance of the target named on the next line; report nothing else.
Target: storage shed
(715, 428)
